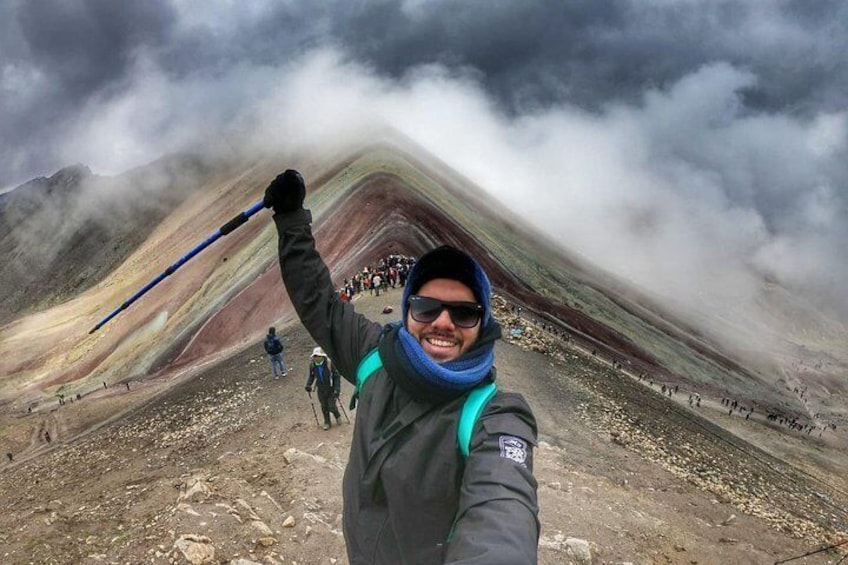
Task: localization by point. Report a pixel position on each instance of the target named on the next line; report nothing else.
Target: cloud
(691, 147)
(56, 57)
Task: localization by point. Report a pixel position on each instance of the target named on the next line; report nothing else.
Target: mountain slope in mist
(384, 198)
(62, 234)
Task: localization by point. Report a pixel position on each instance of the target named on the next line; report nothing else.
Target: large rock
(578, 550)
(197, 550)
(194, 489)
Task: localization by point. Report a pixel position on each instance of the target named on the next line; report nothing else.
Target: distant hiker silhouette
(274, 349)
(11, 458)
(47, 436)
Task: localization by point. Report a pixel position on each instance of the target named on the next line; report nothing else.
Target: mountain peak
(70, 175)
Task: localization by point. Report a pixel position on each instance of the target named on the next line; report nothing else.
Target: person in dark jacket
(328, 383)
(274, 349)
(411, 496)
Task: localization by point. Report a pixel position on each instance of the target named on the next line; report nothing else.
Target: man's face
(441, 339)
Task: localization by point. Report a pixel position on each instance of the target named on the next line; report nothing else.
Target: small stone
(289, 522)
(267, 541)
(262, 527)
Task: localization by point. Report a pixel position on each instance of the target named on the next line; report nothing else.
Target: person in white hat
(328, 383)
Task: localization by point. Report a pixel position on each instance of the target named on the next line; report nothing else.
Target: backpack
(273, 345)
(472, 408)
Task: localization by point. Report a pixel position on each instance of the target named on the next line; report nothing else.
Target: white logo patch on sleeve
(514, 448)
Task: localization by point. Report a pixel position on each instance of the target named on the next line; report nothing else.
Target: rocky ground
(230, 467)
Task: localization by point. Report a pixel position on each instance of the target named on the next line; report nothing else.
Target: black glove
(308, 388)
(286, 192)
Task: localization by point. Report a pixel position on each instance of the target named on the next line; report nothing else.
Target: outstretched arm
(497, 520)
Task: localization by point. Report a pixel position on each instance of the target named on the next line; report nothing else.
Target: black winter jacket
(406, 485)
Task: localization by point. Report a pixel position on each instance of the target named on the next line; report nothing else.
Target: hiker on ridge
(414, 491)
(328, 383)
(274, 349)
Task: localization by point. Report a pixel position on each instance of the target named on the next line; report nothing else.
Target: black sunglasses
(463, 314)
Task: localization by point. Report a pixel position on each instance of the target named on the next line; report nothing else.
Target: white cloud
(687, 193)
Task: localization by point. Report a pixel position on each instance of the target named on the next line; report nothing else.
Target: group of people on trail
(321, 372)
(441, 461)
(389, 271)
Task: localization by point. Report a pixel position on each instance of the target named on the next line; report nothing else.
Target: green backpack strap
(472, 408)
(474, 404)
(370, 364)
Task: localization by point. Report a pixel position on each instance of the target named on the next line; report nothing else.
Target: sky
(695, 148)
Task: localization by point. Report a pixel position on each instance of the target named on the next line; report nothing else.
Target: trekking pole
(222, 231)
(340, 405)
(834, 546)
(314, 413)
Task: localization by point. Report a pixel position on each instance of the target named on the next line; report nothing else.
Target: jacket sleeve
(333, 323)
(497, 520)
(311, 378)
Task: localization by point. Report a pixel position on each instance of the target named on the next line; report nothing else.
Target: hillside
(174, 392)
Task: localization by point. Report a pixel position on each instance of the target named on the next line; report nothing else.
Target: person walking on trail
(274, 349)
(377, 281)
(424, 483)
(328, 383)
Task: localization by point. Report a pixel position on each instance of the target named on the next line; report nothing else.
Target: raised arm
(334, 324)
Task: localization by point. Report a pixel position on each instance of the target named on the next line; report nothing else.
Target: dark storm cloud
(60, 55)
(87, 46)
(589, 52)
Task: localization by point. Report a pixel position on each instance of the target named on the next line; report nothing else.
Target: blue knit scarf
(457, 376)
